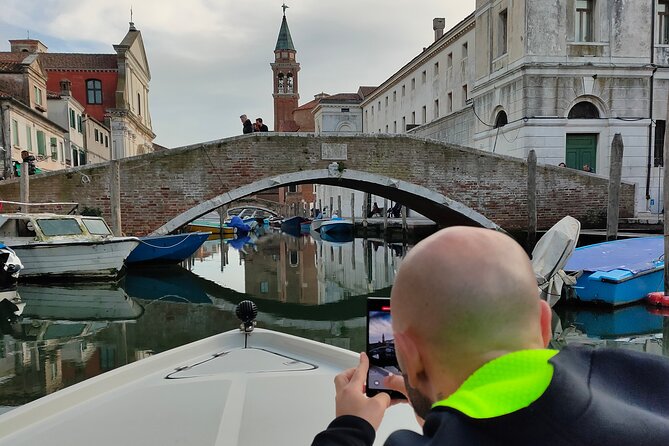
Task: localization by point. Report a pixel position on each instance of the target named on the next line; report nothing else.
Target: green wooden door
(581, 150)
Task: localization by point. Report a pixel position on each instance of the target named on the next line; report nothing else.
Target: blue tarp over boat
(620, 271)
(167, 248)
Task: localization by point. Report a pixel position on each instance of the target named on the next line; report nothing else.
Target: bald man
(470, 335)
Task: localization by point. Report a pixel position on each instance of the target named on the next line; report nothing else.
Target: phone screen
(380, 346)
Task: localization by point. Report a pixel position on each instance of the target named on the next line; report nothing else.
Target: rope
(165, 247)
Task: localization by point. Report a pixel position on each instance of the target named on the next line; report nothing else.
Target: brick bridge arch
(453, 184)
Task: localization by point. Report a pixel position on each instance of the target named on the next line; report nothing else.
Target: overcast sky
(209, 59)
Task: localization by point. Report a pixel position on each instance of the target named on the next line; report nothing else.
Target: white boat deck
(278, 391)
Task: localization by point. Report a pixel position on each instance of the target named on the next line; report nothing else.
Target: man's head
(461, 298)
(243, 118)
(259, 121)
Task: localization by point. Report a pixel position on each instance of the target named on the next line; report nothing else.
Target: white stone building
(558, 76)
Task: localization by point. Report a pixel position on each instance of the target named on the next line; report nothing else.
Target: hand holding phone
(380, 348)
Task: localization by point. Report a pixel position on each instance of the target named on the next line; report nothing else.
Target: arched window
(289, 83)
(501, 120)
(280, 84)
(139, 104)
(94, 91)
(584, 110)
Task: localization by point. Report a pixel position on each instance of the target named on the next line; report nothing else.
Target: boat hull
(167, 248)
(232, 388)
(603, 288)
(336, 227)
(74, 260)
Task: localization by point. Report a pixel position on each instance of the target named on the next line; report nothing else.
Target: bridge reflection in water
(307, 287)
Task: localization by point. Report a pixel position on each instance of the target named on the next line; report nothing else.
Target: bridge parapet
(453, 184)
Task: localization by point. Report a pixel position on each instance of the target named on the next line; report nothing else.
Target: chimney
(438, 25)
(27, 46)
(65, 87)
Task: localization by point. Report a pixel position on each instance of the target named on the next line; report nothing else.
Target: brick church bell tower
(284, 79)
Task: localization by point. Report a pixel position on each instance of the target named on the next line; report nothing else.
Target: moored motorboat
(337, 225)
(215, 391)
(54, 246)
(620, 271)
(292, 225)
(172, 248)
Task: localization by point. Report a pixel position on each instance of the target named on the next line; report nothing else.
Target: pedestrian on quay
(261, 127)
(247, 125)
(470, 335)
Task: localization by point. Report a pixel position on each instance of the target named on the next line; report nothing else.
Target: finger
(360, 374)
(343, 378)
(396, 383)
(383, 399)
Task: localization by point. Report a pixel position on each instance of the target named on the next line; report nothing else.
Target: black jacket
(596, 397)
(248, 126)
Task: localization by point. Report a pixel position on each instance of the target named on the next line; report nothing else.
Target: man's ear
(546, 322)
(410, 361)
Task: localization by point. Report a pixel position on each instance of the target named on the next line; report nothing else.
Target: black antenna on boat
(246, 312)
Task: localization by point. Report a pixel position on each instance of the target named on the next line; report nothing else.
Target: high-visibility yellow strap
(503, 385)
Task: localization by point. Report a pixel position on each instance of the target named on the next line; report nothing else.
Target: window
(423, 76)
(501, 120)
(404, 123)
(394, 96)
(663, 22)
(106, 141)
(94, 91)
(386, 101)
(413, 117)
(79, 124)
(82, 157)
(38, 95)
(449, 103)
(64, 226)
(139, 104)
(29, 138)
(424, 115)
(294, 257)
(41, 143)
(436, 68)
(379, 105)
(436, 108)
(394, 126)
(292, 188)
(96, 226)
(583, 110)
(386, 128)
(73, 119)
(502, 33)
(97, 135)
(53, 145)
(449, 60)
(464, 95)
(465, 50)
(404, 87)
(61, 149)
(584, 20)
(413, 83)
(15, 132)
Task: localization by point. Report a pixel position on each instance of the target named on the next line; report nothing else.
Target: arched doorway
(581, 148)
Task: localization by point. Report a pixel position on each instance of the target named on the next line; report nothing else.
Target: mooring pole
(531, 200)
(665, 200)
(615, 174)
(353, 208)
(115, 195)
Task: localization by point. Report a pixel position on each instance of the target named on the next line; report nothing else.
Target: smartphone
(380, 347)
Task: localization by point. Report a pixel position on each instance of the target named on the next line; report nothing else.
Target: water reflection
(303, 285)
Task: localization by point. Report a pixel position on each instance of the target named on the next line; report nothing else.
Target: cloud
(210, 59)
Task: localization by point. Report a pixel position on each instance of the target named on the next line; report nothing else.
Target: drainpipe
(6, 143)
(650, 107)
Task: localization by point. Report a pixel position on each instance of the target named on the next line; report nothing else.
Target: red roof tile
(77, 61)
(365, 91)
(343, 97)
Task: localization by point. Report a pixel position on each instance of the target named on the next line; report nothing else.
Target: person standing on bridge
(260, 126)
(470, 334)
(248, 125)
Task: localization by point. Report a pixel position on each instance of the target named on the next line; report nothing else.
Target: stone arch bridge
(162, 191)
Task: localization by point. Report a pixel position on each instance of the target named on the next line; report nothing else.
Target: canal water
(310, 288)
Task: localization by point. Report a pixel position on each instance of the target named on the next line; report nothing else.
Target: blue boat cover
(634, 254)
(236, 222)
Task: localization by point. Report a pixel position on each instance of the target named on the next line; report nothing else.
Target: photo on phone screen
(380, 347)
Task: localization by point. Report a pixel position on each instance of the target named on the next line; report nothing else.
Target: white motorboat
(54, 246)
(550, 255)
(242, 387)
